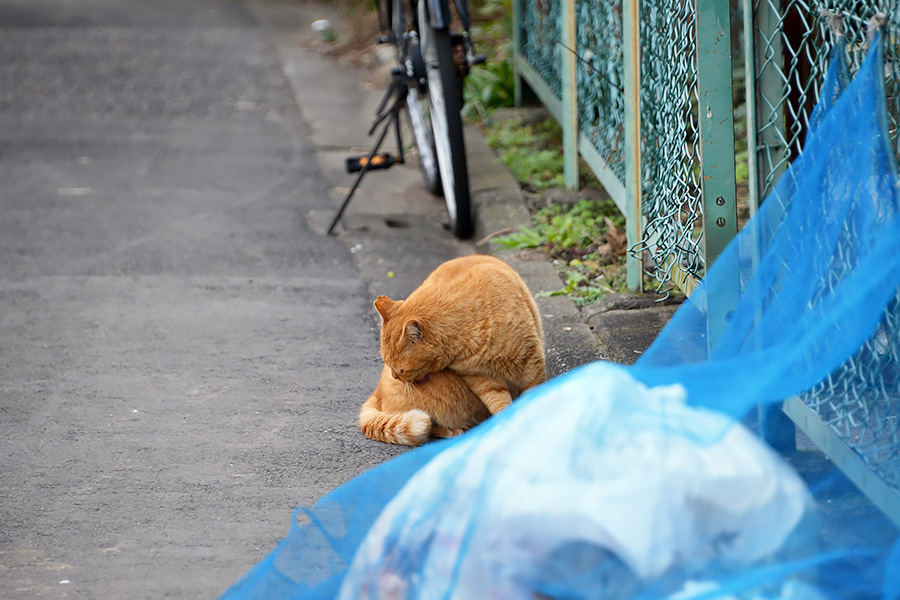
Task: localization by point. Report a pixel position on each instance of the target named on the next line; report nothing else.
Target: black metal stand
(391, 116)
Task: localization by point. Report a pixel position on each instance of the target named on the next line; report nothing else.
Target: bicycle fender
(438, 13)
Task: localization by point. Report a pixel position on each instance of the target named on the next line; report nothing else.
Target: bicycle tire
(445, 100)
(417, 109)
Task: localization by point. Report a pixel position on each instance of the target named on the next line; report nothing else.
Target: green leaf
(526, 237)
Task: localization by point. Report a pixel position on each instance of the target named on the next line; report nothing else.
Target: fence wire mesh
(860, 402)
(671, 191)
(540, 31)
(671, 198)
(600, 74)
(791, 40)
(792, 43)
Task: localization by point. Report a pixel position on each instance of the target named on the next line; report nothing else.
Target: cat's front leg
(494, 393)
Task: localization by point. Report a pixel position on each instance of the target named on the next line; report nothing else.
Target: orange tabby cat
(406, 413)
(475, 316)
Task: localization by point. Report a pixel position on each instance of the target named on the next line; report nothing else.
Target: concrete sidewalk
(184, 353)
(619, 328)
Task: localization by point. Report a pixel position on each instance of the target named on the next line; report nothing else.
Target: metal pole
(569, 98)
(750, 94)
(765, 89)
(716, 146)
(569, 95)
(517, 48)
(633, 215)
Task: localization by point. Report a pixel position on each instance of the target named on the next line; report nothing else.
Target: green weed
(531, 152)
(491, 85)
(585, 244)
(488, 87)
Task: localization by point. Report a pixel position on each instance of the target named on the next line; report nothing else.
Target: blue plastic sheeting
(641, 482)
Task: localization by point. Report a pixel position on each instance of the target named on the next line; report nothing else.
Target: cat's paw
(445, 432)
(409, 428)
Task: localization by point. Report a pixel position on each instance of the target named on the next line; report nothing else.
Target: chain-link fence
(670, 129)
(785, 48)
(669, 136)
(601, 101)
(540, 41)
(860, 402)
(788, 47)
(789, 44)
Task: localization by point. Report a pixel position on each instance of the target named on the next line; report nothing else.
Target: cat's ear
(413, 331)
(385, 307)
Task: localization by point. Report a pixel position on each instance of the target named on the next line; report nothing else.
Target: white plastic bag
(592, 475)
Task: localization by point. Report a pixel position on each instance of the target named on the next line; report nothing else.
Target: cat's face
(408, 348)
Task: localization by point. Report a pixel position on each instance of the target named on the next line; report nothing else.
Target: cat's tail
(409, 428)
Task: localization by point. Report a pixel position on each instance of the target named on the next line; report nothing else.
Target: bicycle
(434, 53)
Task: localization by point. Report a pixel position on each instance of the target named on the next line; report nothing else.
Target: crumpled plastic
(625, 486)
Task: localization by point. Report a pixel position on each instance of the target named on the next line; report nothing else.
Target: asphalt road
(182, 351)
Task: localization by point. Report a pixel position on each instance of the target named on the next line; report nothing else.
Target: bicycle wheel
(445, 103)
(418, 110)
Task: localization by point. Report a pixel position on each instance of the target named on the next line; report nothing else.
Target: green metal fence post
(750, 95)
(763, 59)
(523, 93)
(569, 94)
(631, 50)
(517, 49)
(716, 143)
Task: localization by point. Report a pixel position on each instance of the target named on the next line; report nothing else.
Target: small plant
(491, 85)
(575, 228)
(526, 237)
(585, 244)
(487, 88)
(531, 152)
(587, 283)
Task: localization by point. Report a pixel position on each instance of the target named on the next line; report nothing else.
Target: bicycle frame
(439, 13)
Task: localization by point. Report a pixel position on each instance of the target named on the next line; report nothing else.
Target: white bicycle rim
(421, 130)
